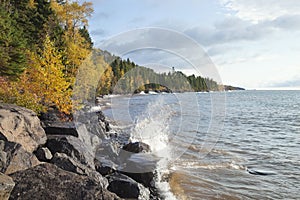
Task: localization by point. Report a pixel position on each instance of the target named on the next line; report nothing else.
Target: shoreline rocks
(46, 181)
(70, 160)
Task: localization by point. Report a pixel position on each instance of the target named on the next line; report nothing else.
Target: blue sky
(252, 43)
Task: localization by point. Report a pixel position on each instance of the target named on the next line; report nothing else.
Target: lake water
(233, 145)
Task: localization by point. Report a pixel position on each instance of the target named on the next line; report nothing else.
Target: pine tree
(12, 46)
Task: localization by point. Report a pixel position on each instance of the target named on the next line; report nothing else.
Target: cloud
(231, 29)
(162, 46)
(292, 83)
(261, 10)
(98, 32)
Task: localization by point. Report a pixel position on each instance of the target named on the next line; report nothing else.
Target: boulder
(137, 147)
(46, 181)
(126, 187)
(43, 154)
(22, 126)
(6, 186)
(14, 158)
(64, 162)
(60, 128)
(73, 147)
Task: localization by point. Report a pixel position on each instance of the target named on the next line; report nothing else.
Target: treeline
(124, 76)
(42, 44)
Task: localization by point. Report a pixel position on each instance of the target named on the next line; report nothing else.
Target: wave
(152, 128)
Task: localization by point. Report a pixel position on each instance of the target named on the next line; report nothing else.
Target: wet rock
(14, 158)
(46, 181)
(137, 147)
(43, 154)
(126, 187)
(22, 126)
(6, 186)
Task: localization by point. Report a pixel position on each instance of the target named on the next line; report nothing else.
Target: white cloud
(260, 10)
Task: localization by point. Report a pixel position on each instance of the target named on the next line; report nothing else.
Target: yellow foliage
(43, 84)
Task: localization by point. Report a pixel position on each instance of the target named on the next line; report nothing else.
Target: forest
(43, 46)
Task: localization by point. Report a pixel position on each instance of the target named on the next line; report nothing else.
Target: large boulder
(6, 186)
(64, 162)
(60, 128)
(22, 126)
(14, 158)
(46, 181)
(73, 147)
(126, 187)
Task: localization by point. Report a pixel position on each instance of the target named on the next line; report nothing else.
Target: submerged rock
(46, 181)
(21, 126)
(125, 187)
(6, 186)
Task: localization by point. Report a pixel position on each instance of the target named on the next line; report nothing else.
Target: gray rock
(60, 128)
(43, 154)
(105, 166)
(14, 158)
(21, 126)
(126, 187)
(46, 181)
(6, 186)
(137, 147)
(73, 147)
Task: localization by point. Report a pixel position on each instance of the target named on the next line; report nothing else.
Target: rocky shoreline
(46, 158)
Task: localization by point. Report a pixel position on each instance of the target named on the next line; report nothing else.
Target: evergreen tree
(12, 46)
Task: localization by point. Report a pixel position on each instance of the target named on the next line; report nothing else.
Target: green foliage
(42, 44)
(127, 77)
(12, 46)
(86, 35)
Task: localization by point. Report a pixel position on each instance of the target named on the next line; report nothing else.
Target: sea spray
(152, 128)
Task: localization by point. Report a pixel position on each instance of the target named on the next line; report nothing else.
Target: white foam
(152, 128)
(95, 109)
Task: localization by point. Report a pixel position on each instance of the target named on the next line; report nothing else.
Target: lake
(221, 145)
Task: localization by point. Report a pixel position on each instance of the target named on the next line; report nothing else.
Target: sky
(253, 44)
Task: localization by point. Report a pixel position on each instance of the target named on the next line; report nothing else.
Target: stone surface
(21, 126)
(46, 181)
(43, 154)
(73, 147)
(60, 128)
(105, 166)
(64, 162)
(126, 187)
(6, 186)
(137, 147)
(14, 158)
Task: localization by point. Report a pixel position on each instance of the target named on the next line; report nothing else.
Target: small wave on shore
(152, 128)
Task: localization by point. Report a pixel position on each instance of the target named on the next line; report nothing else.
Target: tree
(43, 84)
(12, 46)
